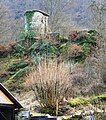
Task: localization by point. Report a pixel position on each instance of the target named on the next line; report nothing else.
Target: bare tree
(98, 10)
(9, 27)
(4, 22)
(95, 68)
(59, 11)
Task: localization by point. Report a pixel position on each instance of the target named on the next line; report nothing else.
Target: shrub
(50, 83)
(20, 73)
(75, 50)
(86, 49)
(3, 51)
(101, 97)
(27, 35)
(18, 65)
(3, 74)
(72, 35)
(14, 85)
(92, 100)
(76, 102)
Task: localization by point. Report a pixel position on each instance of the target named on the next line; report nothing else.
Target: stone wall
(37, 22)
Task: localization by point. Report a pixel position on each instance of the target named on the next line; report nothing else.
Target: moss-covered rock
(77, 102)
(98, 98)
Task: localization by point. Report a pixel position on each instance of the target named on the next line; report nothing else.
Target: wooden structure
(8, 104)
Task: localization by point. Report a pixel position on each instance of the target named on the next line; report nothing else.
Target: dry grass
(50, 81)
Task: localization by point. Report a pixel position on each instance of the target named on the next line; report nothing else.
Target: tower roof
(44, 13)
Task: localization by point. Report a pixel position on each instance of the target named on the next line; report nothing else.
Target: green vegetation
(17, 65)
(52, 65)
(20, 73)
(11, 72)
(29, 15)
(30, 54)
(77, 50)
(27, 35)
(62, 49)
(77, 102)
(98, 98)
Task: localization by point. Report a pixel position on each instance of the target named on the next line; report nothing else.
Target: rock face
(36, 21)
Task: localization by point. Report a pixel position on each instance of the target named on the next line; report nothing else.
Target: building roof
(10, 96)
(44, 13)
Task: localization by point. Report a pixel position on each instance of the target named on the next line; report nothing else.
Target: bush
(72, 35)
(75, 51)
(14, 85)
(27, 35)
(76, 102)
(92, 100)
(19, 74)
(50, 83)
(3, 76)
(101, 97)
(17, 66)
(3, 51)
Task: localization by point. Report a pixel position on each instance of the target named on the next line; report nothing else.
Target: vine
(29, 15)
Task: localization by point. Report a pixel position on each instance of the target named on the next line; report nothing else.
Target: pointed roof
(10, 97)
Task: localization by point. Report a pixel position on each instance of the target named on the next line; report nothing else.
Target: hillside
(56, 64)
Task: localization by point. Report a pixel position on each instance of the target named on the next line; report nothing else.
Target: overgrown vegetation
(62, 63)
(92, 100)
(57, 69)
(29, 15)
(77, 49)
(62, 49)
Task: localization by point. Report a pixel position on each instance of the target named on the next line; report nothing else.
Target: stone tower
(36, 21)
